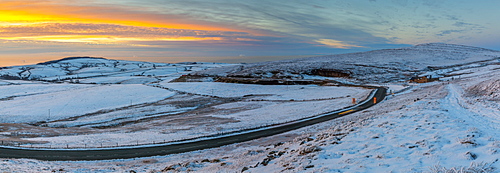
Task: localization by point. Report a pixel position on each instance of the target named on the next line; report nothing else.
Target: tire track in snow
(452, 103)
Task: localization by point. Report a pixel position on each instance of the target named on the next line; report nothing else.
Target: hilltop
(378, 66)
(70, 58)
(75, 68)
(98, 70)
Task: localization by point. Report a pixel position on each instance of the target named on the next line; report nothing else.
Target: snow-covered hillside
(93, 70)
(388, 65)
(432, 127)
(489, 89)
(125, 96)
(450, 125)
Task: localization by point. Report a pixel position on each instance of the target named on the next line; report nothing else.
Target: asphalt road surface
(185, 146)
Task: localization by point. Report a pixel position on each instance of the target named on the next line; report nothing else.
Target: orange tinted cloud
(336, 44)
(51, 21)
(109, 33)
(48, 11)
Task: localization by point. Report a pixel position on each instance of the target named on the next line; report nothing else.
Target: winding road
(376, 96)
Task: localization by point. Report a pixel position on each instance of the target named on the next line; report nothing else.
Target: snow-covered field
(266, 105)
(269, 92)
(97, 111)
(62, 101)
(92, 70)
(425, 129)
(451, 124)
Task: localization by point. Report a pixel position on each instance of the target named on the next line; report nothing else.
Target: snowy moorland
(80, 110)
(66, 101)
(448, 125)
(381, 66)
(91, 70)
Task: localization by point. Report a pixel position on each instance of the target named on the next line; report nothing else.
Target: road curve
(185, 146)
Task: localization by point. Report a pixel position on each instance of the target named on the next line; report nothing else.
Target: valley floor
(428, 128)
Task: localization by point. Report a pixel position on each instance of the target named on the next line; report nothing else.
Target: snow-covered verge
(488, 89)
(429, 128)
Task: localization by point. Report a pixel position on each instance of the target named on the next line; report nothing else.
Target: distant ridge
(385, 65)
(68, 58)
(450, 47)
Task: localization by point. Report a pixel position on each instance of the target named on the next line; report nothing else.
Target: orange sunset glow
(52, 23)
(38, 15)
(198, 28)
(45, 11)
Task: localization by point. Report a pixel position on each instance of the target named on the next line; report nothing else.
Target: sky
(33, 31)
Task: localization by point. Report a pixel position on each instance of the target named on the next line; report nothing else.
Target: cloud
(447, 32)
(239, 22)
(104, 29)
(110, 33)
(462, 24)
(28, 11)
(221, 27)
(336, 44)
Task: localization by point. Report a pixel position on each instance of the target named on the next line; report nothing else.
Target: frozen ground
(445, 125)
(231, 111)
(97, 111)
(267, 92)
(62, 101)
(425, 129)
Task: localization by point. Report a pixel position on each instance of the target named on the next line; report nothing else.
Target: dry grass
(472, 168)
